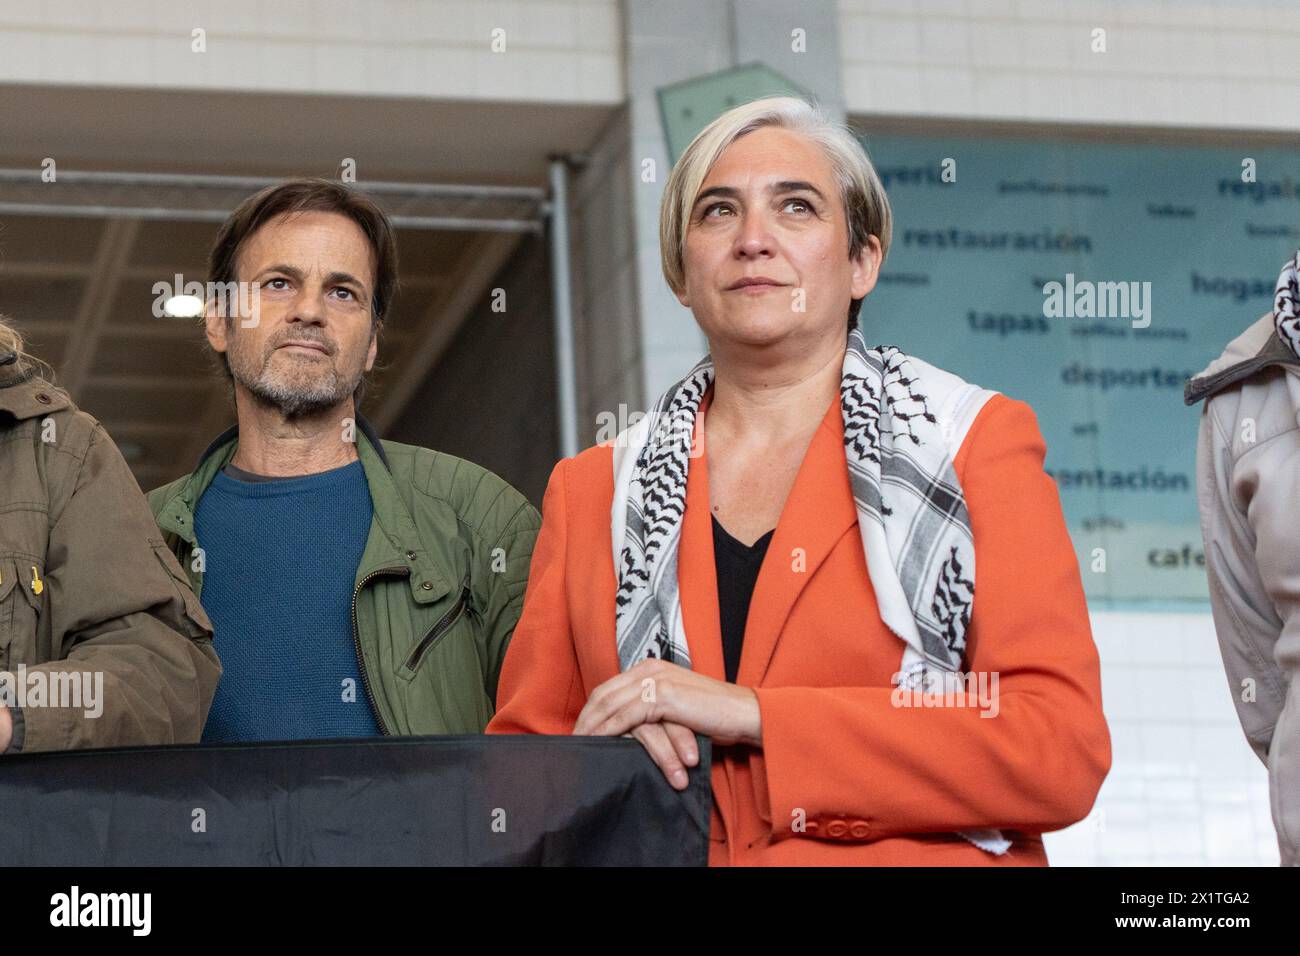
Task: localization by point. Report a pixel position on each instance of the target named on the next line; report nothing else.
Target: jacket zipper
(356, 640)
(447, 623)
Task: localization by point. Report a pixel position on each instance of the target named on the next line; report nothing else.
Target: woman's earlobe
(864, 281)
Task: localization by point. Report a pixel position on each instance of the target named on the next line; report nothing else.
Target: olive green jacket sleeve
(114, 605)
(500, 527)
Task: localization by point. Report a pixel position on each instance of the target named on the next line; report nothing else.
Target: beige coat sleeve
(121, 611)
(1251, 527)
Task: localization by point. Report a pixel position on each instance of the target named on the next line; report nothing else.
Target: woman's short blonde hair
(10, 338)
(11, 342)
(866, 206)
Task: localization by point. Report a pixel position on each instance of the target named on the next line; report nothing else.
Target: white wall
(1184, 787)
(1168, 62)
(556, 50)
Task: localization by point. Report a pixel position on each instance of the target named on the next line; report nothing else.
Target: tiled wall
(1184, 787)
(555, 50)
(1226, 64)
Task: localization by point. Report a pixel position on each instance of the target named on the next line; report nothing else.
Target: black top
(737, 569)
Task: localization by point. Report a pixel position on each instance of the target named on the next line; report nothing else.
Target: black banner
(443, 801)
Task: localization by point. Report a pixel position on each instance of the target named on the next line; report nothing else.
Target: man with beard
(357, 587)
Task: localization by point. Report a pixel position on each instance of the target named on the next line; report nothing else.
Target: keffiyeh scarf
(912, 519)
(1286, 305)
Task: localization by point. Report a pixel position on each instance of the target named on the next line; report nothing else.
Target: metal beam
(172, 197)
(566, 392)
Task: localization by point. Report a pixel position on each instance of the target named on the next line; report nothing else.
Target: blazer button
(859, 830)
(836, 829)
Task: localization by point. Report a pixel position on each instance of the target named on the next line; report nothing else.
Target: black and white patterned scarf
(1286, 305)
(912, 518)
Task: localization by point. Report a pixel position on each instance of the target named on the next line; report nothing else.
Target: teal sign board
(1089, 281)
(687, 107)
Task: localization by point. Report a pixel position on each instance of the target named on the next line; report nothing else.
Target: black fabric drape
(457, 801)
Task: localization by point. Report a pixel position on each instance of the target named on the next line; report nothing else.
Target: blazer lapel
(697, 580)
(817, 512)
(697, 587)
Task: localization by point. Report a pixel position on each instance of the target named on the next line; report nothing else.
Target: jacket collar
(1255, 349)
(231, 434)
(24, 394)
(393, 545)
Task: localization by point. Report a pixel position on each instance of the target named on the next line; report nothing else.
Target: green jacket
(87, 585)
(439, 588)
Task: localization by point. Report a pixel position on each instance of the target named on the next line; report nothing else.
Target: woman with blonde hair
(88, 591)
(785, 554)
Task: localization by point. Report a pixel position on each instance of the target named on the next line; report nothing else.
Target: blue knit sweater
(280, 564)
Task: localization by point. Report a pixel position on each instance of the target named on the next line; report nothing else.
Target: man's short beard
(296, 400)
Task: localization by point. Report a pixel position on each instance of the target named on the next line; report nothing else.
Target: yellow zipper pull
(37, 584)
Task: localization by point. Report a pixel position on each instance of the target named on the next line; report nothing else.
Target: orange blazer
(844, 776)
